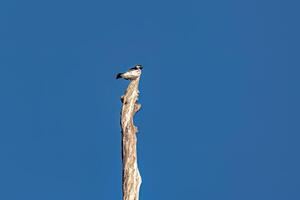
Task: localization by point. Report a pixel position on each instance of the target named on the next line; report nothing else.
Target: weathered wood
(131, 176)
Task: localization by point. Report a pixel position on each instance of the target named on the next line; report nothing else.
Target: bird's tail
(119, 75)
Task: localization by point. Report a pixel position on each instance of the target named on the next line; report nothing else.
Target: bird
(132, 73)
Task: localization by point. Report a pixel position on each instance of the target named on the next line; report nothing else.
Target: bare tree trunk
(131, 177)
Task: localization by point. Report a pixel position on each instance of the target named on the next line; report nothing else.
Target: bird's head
(139, 67)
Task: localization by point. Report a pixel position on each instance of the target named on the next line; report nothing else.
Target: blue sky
(220, 97)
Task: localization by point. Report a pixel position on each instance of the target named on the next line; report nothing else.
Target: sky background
(219, 94)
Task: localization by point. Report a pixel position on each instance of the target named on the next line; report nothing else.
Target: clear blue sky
(220, 97)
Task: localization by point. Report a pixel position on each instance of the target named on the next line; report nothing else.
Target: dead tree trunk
(131, 177)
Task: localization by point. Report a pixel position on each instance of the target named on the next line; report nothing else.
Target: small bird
(132, 73)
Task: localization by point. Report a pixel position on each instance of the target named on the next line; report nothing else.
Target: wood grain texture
(131, 176)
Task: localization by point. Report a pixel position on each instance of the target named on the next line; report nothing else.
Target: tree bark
(131, 180)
